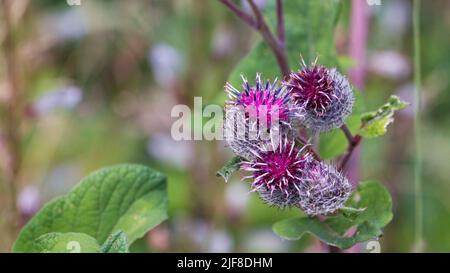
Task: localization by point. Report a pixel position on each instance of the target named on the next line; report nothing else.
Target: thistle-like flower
(256, 116)
(324, 96)
(277, 172)
(323, 189)
(291, 177)
(262, 100)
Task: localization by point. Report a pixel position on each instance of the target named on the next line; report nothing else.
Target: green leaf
(116, 243)
(132, 198)
(70, 242)
(229, 168)
(373, 206)
(374, 124)
(377, 202)
(309, 28)
(295, 228)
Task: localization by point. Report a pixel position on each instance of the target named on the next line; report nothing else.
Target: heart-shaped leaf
(116, 243)
(70, 242)
(131, 198)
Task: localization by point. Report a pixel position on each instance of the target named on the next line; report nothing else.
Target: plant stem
(351, 148)
(418, 236)
(309, 147)
(240, 13)
(353, 142)
(347, 133)
(274, 44)
(280, 24)
(260, 24)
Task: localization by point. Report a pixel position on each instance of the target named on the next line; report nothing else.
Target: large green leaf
(70, 242)
(309, 28)
(116, 243)
(132, 198)
(375, 211)
(374, 124)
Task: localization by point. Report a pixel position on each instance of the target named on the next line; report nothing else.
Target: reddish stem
(280, 24)
(309, 147)
(240, 13)
(351, 148)
(260, 24)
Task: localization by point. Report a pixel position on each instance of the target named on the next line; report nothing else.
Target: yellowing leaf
(374, 124)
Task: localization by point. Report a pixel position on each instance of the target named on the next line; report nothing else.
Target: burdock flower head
(276, 173)
(323, 189)
(256, 115)
(291, 177)
(324, 96)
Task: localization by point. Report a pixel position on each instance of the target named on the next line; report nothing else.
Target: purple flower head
(291, 177)
(256, 116)
(323, 189)
(324, 96)
(261, 100)
(277, 172)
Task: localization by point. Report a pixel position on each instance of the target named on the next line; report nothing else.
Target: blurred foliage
(129, 199)
(104, 48)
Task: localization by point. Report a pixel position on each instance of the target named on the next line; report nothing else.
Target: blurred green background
(99, 80)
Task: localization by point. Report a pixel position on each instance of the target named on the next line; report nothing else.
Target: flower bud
(322, 189)
(289, 177)
(257, 116)
(276, 173)
(324, 97)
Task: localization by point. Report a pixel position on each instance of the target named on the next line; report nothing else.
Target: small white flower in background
(220, 242)
(164, 148)
(236, 196)
(70, 24)
(223, 42)
(261, 4)
(60, 180)
(395, 18)
(197, 229)
(167, 64)
(66, 97)
(390, 64)
(264, 240)
(406, 93)
(200, 234)
(29, 200)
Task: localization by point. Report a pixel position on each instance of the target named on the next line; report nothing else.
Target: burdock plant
(324, 96)
(256, 114)
(283, 174)
(284, 161)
